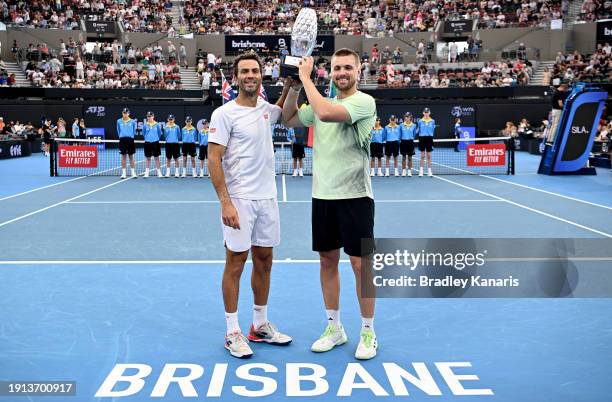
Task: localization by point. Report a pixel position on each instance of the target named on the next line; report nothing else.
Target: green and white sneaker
(238, 345)
(333, 336)
(367, 345)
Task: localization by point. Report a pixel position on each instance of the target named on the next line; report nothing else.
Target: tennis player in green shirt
(342, 199)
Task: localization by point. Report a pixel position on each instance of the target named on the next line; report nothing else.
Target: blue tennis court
(96, 272)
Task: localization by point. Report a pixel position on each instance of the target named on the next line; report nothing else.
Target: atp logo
(99, 111)
(15, 150)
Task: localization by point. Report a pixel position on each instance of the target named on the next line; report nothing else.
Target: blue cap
(426, 110)
(150, 114)
(188, 119)
(170, 117)
(126, 110)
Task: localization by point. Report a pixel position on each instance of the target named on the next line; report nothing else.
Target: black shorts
(376, 150)
(392, 148)
(47, 141)
(152, 149)
(407, 147)
(297, 151)
(342, 223)
(172, 150)
(203, 152)
(189, 149)
(426, 144)
(126, 146)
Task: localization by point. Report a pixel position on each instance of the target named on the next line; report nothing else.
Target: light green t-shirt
(341, 151)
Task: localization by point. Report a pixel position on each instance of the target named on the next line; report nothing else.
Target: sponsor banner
(486, 267)
(240, 43)
(604, 31)
(77, 156)
(14, 149)
(458, 26)
(486, 155)
(100, 27)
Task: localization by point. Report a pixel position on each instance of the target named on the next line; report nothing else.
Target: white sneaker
(333, 336)
(238, 345)
(194, 173)
(387, 172)
(380, 173)
(396, 173)
(146, 174)
(421, 172)
(176, 173)
(294, 173)
(134, 174)
(372, 173)
(123, 176)
(201, 173)
(429, 173)
(159, 174)
(269, 334)
(167, 173)
(403, 172)
(409, 172)
(367, 345)
(301, 173)
(184, 173)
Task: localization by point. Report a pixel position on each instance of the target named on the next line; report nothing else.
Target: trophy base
(289, 67)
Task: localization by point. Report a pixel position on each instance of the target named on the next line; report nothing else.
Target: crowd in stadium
(573, 67)
(593, 10)
(247, 16)
(136, 15)
(106, 65)
(6, 79)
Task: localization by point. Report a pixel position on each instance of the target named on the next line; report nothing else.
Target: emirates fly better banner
(78, 156)
(486, 155)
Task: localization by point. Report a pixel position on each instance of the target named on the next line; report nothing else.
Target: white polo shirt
(248, 163)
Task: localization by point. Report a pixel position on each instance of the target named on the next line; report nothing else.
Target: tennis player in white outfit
(241, 164)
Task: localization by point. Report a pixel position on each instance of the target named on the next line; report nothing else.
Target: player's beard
(344, 82)
(250, 90)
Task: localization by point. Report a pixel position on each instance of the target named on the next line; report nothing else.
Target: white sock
(367, 323)
(231, 319)
(301, 171)
(122, 172)
(333, 318)
(260, 315)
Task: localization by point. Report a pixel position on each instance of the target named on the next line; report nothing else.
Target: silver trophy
(303, 42)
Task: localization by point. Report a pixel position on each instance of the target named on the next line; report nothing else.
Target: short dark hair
(347, 52)
(247, 56)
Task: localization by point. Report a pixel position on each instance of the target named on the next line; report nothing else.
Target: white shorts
(259, 225)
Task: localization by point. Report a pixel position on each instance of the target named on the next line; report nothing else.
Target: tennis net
(94, 157)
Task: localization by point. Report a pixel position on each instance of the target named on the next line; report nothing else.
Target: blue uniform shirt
(172, 134)
(457, 130)
(392, 133)
(203, 137)
(189, 134)
(408, 131)
(151, 132)
(75, 130)
(377, 135)
(427, 127)
(126, 128)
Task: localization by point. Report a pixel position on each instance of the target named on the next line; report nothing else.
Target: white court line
(549, 192)
(284, 190)
(62, 202)
(145, 262)
(526, 186)
(294, 201)
(527, 208)
(41, 188)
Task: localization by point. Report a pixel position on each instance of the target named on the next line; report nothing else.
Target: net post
(52, 170)
(511, 149)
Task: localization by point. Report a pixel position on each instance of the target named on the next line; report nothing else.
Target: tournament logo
(99, 111)
(15, 150)
(456, 111)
